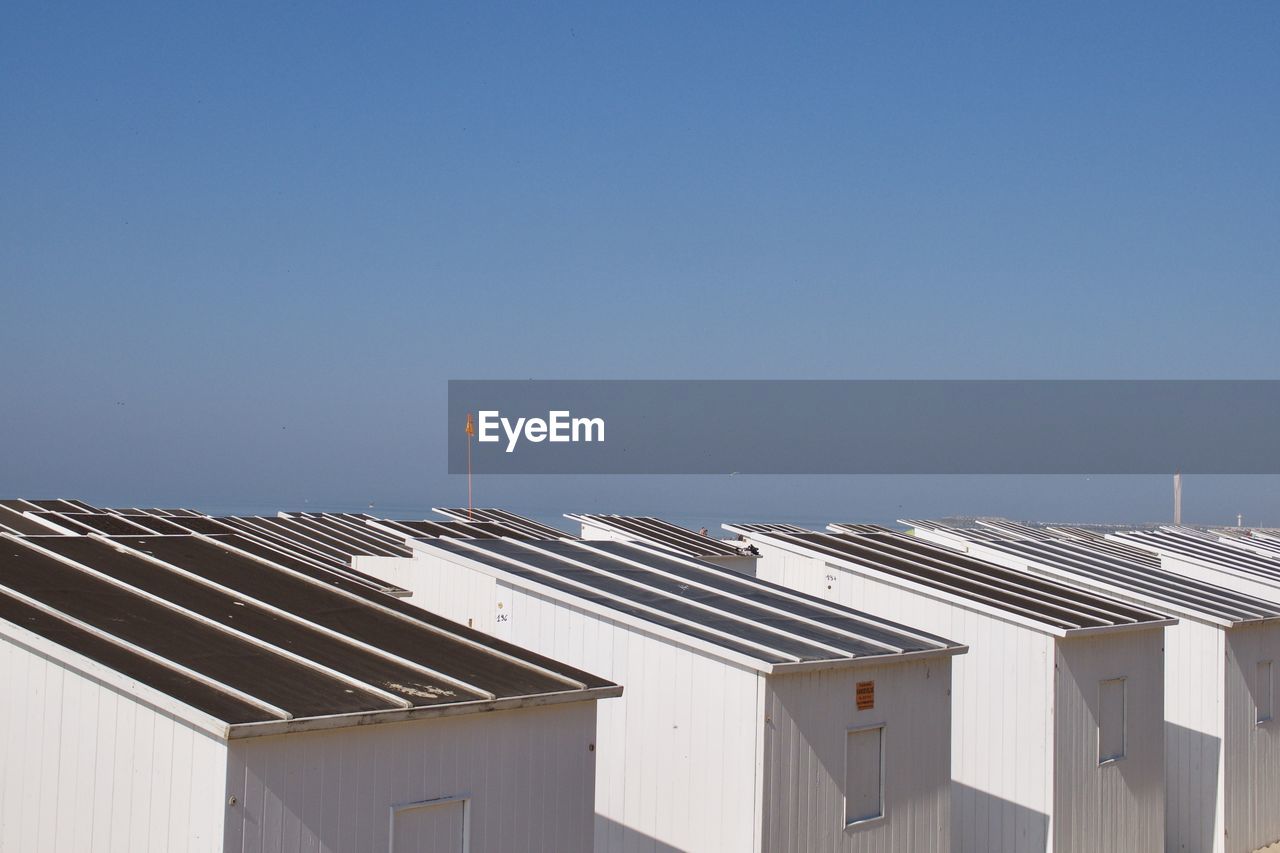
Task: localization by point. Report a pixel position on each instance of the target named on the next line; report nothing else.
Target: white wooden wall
(1198, 702)
(385, 568)
(87, 766)
(1251, 750)
(678, 751)
(1248, 770)
(591, 531)
(681, 753)
(807, 716)
(804, 574)
(1193, 708)
(1001, 712)
(743, 565)
(455, 593)
(1077, 801)
(1117, 807)
(528, 774)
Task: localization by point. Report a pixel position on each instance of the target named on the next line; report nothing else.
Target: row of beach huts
(486, 683)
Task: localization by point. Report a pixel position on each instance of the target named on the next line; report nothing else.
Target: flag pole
(471, 430)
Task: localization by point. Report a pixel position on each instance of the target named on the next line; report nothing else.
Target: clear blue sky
(242, 250)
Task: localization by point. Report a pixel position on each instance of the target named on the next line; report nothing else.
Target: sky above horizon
(245, 247)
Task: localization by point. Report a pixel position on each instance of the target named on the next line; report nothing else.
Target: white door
(431, 826)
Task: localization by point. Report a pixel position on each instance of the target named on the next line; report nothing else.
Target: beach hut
(1057, 736)
(182, 693)
(1222, 768)
(754, 719)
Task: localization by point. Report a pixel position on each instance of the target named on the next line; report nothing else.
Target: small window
(1111, 720)
(863, 775)
(1262, 691)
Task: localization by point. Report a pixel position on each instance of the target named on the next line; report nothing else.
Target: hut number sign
(865, 695)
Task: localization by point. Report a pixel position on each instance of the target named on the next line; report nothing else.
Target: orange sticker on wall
(866, 695)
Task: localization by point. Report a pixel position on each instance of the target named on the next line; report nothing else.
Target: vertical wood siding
(529, 773)
(1117, 807)
(1193, 708)
(1003, 719)
(1248, 760)
(680, 762)
(455, 593)
(1251, 750)
(1221, 776)
(676, 765)
(1001, 705)
(676, 753)
(86, 767)
(806, 718)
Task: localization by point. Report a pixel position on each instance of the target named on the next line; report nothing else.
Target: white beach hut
(1222, 768)
(1057, 735)
(180, 693)
(754, 718)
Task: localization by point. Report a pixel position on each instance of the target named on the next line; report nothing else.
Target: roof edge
(866, 660)
(241, 731)
(1115, 629)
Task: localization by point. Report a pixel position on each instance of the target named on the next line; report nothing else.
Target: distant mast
(1177, 498)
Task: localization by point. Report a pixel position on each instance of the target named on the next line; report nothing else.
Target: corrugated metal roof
(646, 528)
(990, 534)
(378, 543)
(1059, 607)
(1125, 551)
(429, 529)
(1013, 528)
(12, 520)
(1217, 553)
(1073, 532)
(860, 529)
(325, 536)
(1152, 585)
(90, 522)
(922, 522)
(63, 505)
(1260, 543)
(741, 615)
(357, 527)
(969, 532)
(154, 524)
(309, 540)
(766, 528)
(520, 526)
(251, 642)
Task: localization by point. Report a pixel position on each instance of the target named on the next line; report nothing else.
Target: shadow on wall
(611, 835)
(1191, 773)
(985, 823)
